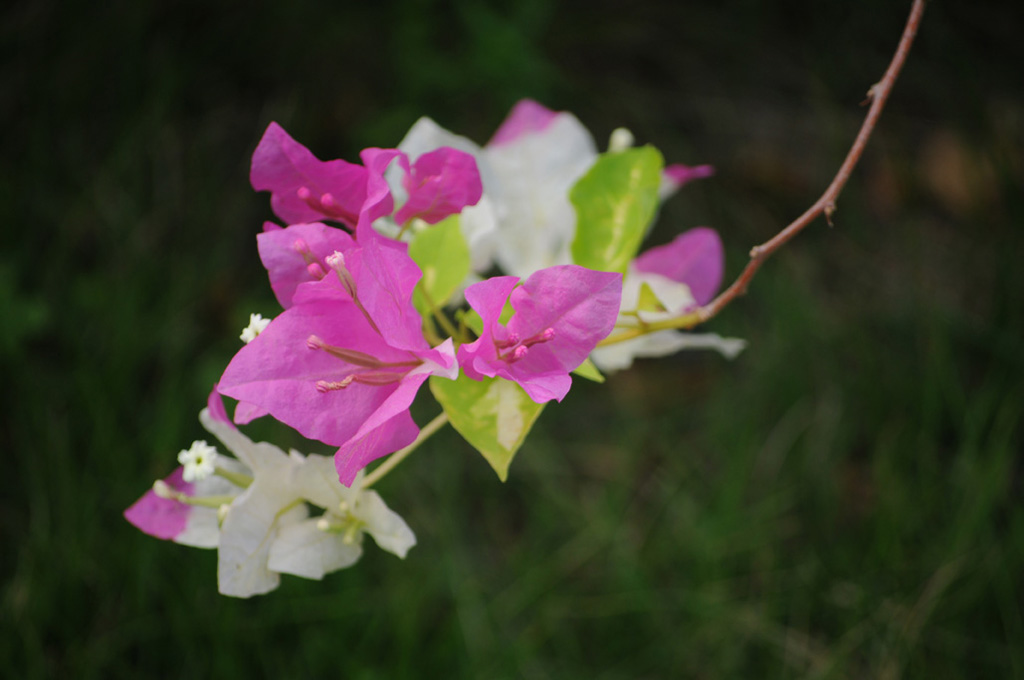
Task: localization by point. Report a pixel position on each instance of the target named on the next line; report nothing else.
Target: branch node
(870, 97)
(830, 209)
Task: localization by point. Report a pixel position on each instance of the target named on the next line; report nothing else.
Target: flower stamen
(513, 349)
(357, 358)
(326, 205)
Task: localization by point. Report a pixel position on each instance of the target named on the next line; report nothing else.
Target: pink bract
(378, 201)
(440, 183)
(304, 188)
(162, 517)
(695, 257)
(298, 254)
(561, 313)
(343, 369)
(679, 174)
(526, 116)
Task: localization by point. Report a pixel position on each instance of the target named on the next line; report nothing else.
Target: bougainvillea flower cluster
(385, 273)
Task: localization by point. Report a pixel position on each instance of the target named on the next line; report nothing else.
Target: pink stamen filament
(357, 358)
(377, 378)
(511, 341)
(326, 205)
(336, 261)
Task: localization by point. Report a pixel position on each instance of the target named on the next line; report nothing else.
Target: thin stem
(430, 331)
(439, 315)
(688, 320)
(294, 504)
(237, 478)
(400, 455)
(826, 205)
(201, 501)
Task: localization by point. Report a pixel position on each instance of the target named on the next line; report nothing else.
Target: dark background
(842, 501)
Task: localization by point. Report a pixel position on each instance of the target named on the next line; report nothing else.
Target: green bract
(443, 256)
(615, 202)
(494, 415)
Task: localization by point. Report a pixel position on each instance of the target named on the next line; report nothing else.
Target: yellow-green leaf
(443, 257)
(615, 202)
(494, 415)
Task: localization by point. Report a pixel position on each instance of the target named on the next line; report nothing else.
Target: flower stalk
(398, 456)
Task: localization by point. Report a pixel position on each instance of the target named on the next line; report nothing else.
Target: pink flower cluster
(345, 359)
(343, 362)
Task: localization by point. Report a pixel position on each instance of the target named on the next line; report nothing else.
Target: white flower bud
(621, 140)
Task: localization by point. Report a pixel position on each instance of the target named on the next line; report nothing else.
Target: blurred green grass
(842, 501)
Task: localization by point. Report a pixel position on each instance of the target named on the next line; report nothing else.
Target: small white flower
(200, 461)
(257, 324)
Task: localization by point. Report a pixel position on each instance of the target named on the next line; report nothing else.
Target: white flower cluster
(256, 512)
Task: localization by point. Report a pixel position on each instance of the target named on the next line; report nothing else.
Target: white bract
(317, 546)
(267, 531)
(524, 221)
(671, 299)
(255, 510)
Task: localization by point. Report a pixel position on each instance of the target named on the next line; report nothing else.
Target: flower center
(512, 349)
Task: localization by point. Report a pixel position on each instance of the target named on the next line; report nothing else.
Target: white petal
(674, 296)
(479, 225)
(388, 529)
(426, 135)
(248, 532)
(303, 550)
(727, 347)
(254, 454)
(202, 529)
(534, 174)
(662, 343)
(616, 357)
(316, 480)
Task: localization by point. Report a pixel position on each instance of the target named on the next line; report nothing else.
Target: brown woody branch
(826, 205)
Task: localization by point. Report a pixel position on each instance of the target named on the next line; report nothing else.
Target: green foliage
(494, 415)
(443, 256)
(615, 203)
